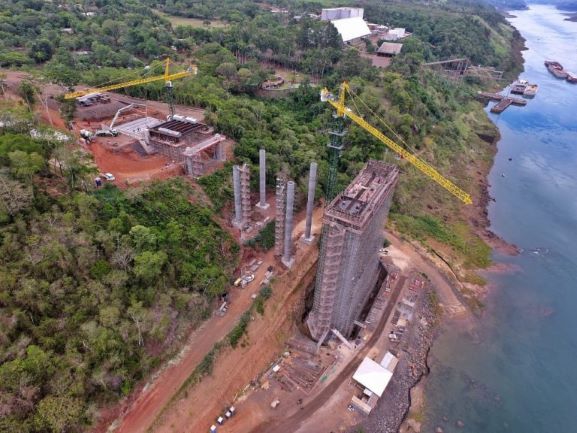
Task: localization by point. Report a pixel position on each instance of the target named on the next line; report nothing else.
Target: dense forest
(94, 287)
(97, 287)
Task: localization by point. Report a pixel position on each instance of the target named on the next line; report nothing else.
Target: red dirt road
(153, 399)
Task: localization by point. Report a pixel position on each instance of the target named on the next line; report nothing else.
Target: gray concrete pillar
(287, 258)
(237, 199)
(311, 202)
(262, 204)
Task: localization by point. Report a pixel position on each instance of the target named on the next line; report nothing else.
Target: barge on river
(556, 69)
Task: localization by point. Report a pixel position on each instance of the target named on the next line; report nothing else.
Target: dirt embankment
(199, 406)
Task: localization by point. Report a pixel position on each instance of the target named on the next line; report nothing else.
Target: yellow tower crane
(167, 77)
(344, 111)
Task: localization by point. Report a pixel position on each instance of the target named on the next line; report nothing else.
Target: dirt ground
(233, 370)
(405, 252)
(128, 167)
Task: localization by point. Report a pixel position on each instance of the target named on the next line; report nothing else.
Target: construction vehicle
(336, 145)
(106, 132)
(167, 77)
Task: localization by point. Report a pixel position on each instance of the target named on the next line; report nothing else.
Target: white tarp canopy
(389, 361)
(373, 376)
(351, 28)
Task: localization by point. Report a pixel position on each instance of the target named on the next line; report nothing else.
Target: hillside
(98, 287)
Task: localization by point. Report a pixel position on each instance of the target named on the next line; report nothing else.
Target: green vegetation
(477, 254)
(218, 187)
(97, 287)
(265, 239)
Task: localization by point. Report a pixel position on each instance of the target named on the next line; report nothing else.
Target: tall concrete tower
(262, 204)
(353, 225)
(287, 257)
(280, 205)
(241, 187)
(237, 221)
(310, 203)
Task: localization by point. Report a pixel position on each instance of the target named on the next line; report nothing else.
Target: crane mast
(342, 111)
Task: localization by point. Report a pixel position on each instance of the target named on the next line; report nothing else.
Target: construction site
(345, 305)
(138, 140)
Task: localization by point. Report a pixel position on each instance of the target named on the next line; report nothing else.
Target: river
(517, 372)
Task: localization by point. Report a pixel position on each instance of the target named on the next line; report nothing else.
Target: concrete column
(280, 213)
(287, 258)
(237, 200)
(262, 204)
(311, 202)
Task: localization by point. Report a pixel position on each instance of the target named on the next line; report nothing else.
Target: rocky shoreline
(479, 219)
(394, 406)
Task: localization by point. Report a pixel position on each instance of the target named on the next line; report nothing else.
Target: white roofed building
(395, 34)
(373, 378)
(352, 29)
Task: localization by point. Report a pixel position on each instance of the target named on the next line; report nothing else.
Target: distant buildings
(348, 22)
(395, 34)
(334, 14)
(389, 49)
(352, 27)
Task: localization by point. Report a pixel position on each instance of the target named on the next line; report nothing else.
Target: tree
(58, 414)
(148, 265)
(41, 51)
(142, 237)
(25, 165)
(14, 196)
(27, 91)
(139, 316)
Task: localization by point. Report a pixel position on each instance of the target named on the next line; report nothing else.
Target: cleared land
(193, 22)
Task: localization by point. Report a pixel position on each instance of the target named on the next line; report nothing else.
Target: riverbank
(493, 379)
(478, 218)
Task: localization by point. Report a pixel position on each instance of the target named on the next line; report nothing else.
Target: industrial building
(348, 22)
(373, 379)
(389, 49)
(349, 266)
(331, 14)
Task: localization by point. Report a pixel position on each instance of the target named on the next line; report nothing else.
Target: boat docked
(553, 64)
(531, 90)
(523, 87)
(518, 87)
(572, 78)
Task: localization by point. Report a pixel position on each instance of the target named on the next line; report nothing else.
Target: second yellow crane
(343, 110)
(167, 77)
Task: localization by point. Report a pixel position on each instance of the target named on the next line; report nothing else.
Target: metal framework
(167, 77)
(425, 168)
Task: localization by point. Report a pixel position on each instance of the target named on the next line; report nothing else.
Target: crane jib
(127, 84)
(416, 161)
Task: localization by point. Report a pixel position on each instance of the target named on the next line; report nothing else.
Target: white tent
(389, 362)
(351, 28)
(373, 376)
